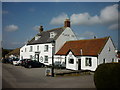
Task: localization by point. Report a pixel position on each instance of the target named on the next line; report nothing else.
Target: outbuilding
(88, 54)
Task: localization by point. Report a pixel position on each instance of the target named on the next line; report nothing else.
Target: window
(52, 34)
(88, 62)
(71, 61)
(112, 59)
(31, 57)
(37, 37)
(46, 48)
(46, 59)
(72, 36)
(21, 57)
(37, 48)
(25, 49)
(104, 60)
(31, 48)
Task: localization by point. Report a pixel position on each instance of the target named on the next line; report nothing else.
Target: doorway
(79, 64)
(37, 57)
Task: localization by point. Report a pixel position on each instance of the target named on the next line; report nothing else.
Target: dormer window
(52, 34)
(37, 37)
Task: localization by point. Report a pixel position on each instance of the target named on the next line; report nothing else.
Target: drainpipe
(97, 60)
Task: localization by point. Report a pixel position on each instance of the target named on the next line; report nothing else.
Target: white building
(87, 54)
(47, 43)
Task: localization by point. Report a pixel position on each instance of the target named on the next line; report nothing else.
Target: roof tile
(89, 47)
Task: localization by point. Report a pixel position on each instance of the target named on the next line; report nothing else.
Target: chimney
(67, 23)
(95, 37)
(41, 29)
(81, 52)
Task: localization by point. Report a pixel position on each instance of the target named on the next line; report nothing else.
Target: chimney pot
(67, 23)
(41, 29)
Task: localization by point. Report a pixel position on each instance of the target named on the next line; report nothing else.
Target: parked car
(17, 62)
(23, 62)
(12, 59)
(5, 60)
(33, 63)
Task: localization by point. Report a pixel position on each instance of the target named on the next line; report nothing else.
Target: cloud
(84, 19)
(36, 27)
(59, 19)
(11, 28)
(85, 35)
(108, 16)
(88, 34)
(113, 27)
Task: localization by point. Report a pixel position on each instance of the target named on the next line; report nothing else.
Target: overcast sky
(22, 19)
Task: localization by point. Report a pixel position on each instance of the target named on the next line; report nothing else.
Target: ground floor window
(46, 59)
(113, 60)
(31, 56)
(71, 61)
(21, 57)
(88, 62)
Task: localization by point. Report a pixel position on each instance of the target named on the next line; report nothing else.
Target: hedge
(107, 76)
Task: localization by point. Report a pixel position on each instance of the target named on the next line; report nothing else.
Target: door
(37, 57)
(79, 64)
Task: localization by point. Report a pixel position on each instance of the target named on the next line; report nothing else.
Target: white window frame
(88, 61)
(45, 59)
(31, 48)
(69, 60)
(46, 48)
(31, 57)
(25, 49)
(37, 37)
(38, 48)
(52, 34)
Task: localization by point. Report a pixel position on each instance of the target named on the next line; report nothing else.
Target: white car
(16, 62)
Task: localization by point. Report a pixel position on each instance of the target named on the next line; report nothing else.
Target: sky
(20, 20)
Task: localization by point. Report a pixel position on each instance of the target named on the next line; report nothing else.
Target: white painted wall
(83, 62)
(92, 67)
(41, 50)
(73, 66)
(108, 55)
(67, 35)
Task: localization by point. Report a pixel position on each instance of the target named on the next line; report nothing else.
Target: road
(20, 77)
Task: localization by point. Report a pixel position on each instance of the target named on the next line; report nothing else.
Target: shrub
(107, 76)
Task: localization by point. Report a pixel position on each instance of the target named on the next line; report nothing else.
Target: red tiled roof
(90, 47)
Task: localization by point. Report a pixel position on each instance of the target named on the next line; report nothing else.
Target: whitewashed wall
(69, 65)
(83, 62)
(41, 50)
(92, 67)
(106, 54)
(67, 35)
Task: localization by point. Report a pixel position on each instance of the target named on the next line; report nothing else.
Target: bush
(107, 76)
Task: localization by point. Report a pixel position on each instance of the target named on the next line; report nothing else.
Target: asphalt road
(20, 77)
